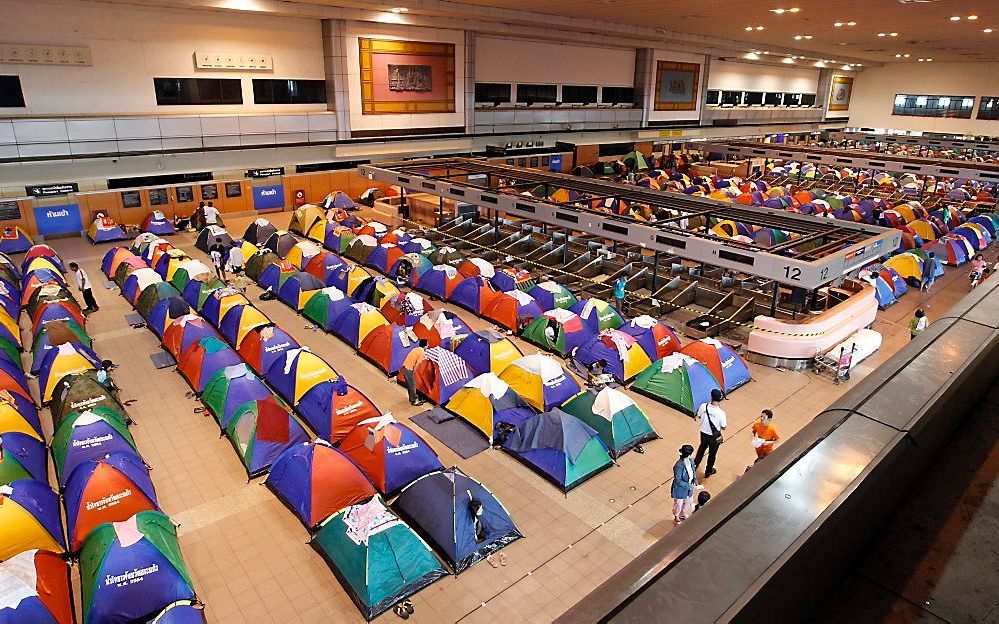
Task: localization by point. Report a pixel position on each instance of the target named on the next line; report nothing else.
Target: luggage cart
(837, 365)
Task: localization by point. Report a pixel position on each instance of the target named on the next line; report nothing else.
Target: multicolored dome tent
(541, 380)
(261, 346)
(298, 289)
(326, 306)
(678, 380)
(112, 488)
(597, 314)
(18, 414)
(153, 294)
(77, 393)
(23, 457)
(36, 589)
(316, 480)
(373, 444)
(296, 372)
(569, 330)
(14, 240)
(334, 408)
(356, 322)
(29, 518)
(487, 351)
(259, 231)
(261, 431)
(157, 223)
(305, 217)
(240, 320)
(221, 301)
(561, 448)
(439, 374)
(727, 366)
(302, 253)
(166, 311)
(486, 401)
(131, 570)
(71, 358)
(624, 356)
(185, 331)
(458, 516)
(86, 436)
(324, 265)
(387, 346)
(618, 420)
(181, 612)
(200, 361)
(229, 389)
(440, 281)
(512, 309)
(377, 558)
(104, 230)
(210, 234)
(551, 295)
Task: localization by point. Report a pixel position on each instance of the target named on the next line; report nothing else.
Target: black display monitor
(752, 98)
(731, 98)
(773, 99)
(792, 99)
(808, 99)
(714, 98)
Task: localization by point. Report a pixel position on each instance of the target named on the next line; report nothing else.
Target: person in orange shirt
(765, 435)
(413, 359)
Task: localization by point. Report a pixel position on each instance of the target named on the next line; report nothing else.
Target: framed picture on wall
(131, 199)
(406, 77)
(158, 197)
(9, 211)
(233, 189)
(534, 161)
(185, 194)
(840, 93)
(209, 191)
(676, 86)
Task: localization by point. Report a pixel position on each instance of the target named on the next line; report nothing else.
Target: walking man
(712, 420)
(620, 287)
(918, 324)
(217, 253)
(83, 283)
(765, 435)
(684, 484)
(413, 359)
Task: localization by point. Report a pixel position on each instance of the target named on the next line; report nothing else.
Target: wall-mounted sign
(224, 60)
(48, 190)
(676, 86)
(131, 199)
(209, 192)
(267, 197)
(58, 219)
(185, 194)
(158, 197)
(264, 173)
(9, 211)
(555, 164)
(840, 93)
(233, 189)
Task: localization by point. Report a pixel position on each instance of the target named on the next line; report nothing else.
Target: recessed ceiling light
(794, 10)
(819, 64)
(893, 34)
(778, 11)
(929, 60)
(800, 37)
(987, 30)
(766, 51)
(751, 56)
(759, 28)
(955, 18)
(399, 10)
(972, 17)
(788, 60)
(838, 24)
(882, 34)
(898, 56)
(920, 60)
(748, 28)
(851, 23)
(906, 55)
(846, 67)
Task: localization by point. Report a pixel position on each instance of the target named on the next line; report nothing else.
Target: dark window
(752, 98)
(536, 93)
(278, 91)
(617, 95)
(10, 92)
(952, 106)
(492, 92)
(773, 99)
(197, 91)
(714, 97)
(808, 99)
(989, 108)
(572, 94)
(731, 98)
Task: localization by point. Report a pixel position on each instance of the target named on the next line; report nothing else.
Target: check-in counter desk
(793, 344)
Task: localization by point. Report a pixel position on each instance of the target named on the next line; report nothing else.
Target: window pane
(197, 91)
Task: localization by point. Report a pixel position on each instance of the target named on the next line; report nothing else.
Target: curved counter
(783, 341)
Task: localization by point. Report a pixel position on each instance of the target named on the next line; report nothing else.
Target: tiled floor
(249, 556)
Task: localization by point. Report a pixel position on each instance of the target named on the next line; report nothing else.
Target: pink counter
(807, 339)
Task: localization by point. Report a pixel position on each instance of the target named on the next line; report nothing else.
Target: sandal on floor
(401, 611)
(503, 559)
(407, 604)
(493, 561)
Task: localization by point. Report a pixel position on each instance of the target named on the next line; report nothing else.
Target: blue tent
(560, 447)
(441, 507)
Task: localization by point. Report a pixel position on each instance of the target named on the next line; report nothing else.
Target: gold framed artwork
(676, 86)
(406, 77)
(840, 93)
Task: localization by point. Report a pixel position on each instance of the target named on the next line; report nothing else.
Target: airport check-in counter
(782, 536)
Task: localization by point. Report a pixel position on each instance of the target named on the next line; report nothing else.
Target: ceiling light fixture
(893, 34)
(846, 68)
(955, 18)
(898, 56)
(778, 11)
(972, 17)
(987, 30)
(819, 64)
(787, 60)
(906, 55)
(794, 10)
(882, 34)
(929, 60)
(800, 37)
(851, 23)
(399, 10)
(751, 56)
(838, 24)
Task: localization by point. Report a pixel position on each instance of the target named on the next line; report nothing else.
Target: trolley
(836, 365)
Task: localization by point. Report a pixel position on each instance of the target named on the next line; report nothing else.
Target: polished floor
(248, 554)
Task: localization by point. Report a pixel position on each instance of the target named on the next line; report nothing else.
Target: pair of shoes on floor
(404, 609)
(497, 559)
(418, 403)
(708, 473)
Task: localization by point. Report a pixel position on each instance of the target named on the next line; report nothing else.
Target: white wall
(132, 45)
(678, 57)
(356, 30)
(730, 76)
(523, 60)
(874, 94)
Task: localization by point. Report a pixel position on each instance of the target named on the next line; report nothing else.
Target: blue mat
(162, 359)
(453, 432)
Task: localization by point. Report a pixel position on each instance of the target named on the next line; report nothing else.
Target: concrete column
(824, 87)
(335, 61)
(645, 81)
(469, 81)
(703, 86)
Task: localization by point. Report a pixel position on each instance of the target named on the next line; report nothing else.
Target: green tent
(377, 558)
(678, 380)
(206, 288)
(153, 294)
(50, 293)
(80, 335)
(256, 264)
(11, 350)
(636, 161)
(88, 435)
(618, 420)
